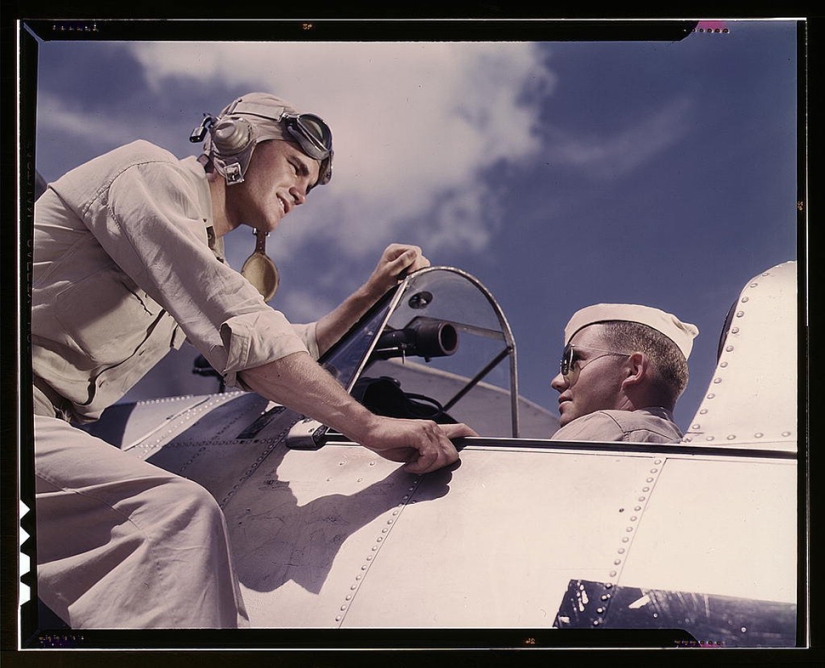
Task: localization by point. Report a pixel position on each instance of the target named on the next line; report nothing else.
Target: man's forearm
(298, 382)
(396, 261)
(336, 323)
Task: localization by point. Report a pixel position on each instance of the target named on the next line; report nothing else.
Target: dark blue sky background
(662, 173)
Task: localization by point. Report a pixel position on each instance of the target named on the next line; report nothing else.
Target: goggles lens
(315, 139)
(311, 133)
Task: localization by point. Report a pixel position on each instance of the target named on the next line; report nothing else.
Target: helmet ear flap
(232, 135)
(230, 141)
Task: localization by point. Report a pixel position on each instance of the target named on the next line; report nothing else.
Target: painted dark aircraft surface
(525, 533)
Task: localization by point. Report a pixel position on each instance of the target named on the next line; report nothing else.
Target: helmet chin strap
(260, 270)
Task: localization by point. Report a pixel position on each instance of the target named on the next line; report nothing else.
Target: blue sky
(559, 173)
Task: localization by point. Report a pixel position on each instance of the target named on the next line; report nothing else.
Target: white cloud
(416, 125)
(611, 156)
(302, 305)
(412, 123)
(54, 115)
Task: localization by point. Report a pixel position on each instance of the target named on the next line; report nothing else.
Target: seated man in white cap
(623, 368)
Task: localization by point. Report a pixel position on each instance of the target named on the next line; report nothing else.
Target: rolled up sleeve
(253, 339)
(307, 335)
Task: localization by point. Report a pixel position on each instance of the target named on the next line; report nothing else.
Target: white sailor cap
(681, 333)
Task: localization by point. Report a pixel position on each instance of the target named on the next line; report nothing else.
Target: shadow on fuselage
(113, 428)
(276, 539)
(288, 512)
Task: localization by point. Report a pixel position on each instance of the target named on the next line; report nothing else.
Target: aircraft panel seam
(634, 517)
(379, 542)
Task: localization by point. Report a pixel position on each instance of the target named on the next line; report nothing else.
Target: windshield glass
(440, 335)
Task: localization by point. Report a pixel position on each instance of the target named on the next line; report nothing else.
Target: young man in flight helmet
(128, 262)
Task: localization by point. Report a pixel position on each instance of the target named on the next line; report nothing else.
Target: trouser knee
(191, 505)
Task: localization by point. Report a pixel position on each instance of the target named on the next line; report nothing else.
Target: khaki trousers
(122, 543)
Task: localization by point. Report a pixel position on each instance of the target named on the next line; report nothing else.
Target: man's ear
(637, 368)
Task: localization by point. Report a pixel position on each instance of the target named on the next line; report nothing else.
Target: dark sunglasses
(570, 356)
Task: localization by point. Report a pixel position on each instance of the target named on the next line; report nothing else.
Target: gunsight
(423, 337)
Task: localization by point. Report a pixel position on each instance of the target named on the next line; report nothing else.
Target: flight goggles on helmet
(312, 134)
(233, 136)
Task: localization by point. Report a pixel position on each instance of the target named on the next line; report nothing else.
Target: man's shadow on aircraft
(274, 539)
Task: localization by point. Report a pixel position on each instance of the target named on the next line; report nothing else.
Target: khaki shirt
(654, 425)
(126, 266)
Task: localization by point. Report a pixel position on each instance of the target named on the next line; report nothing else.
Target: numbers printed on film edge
(75, 26)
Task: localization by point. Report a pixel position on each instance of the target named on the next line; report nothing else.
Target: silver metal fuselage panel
(340, 537)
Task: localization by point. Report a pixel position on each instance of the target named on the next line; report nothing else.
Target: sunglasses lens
(566, 361)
